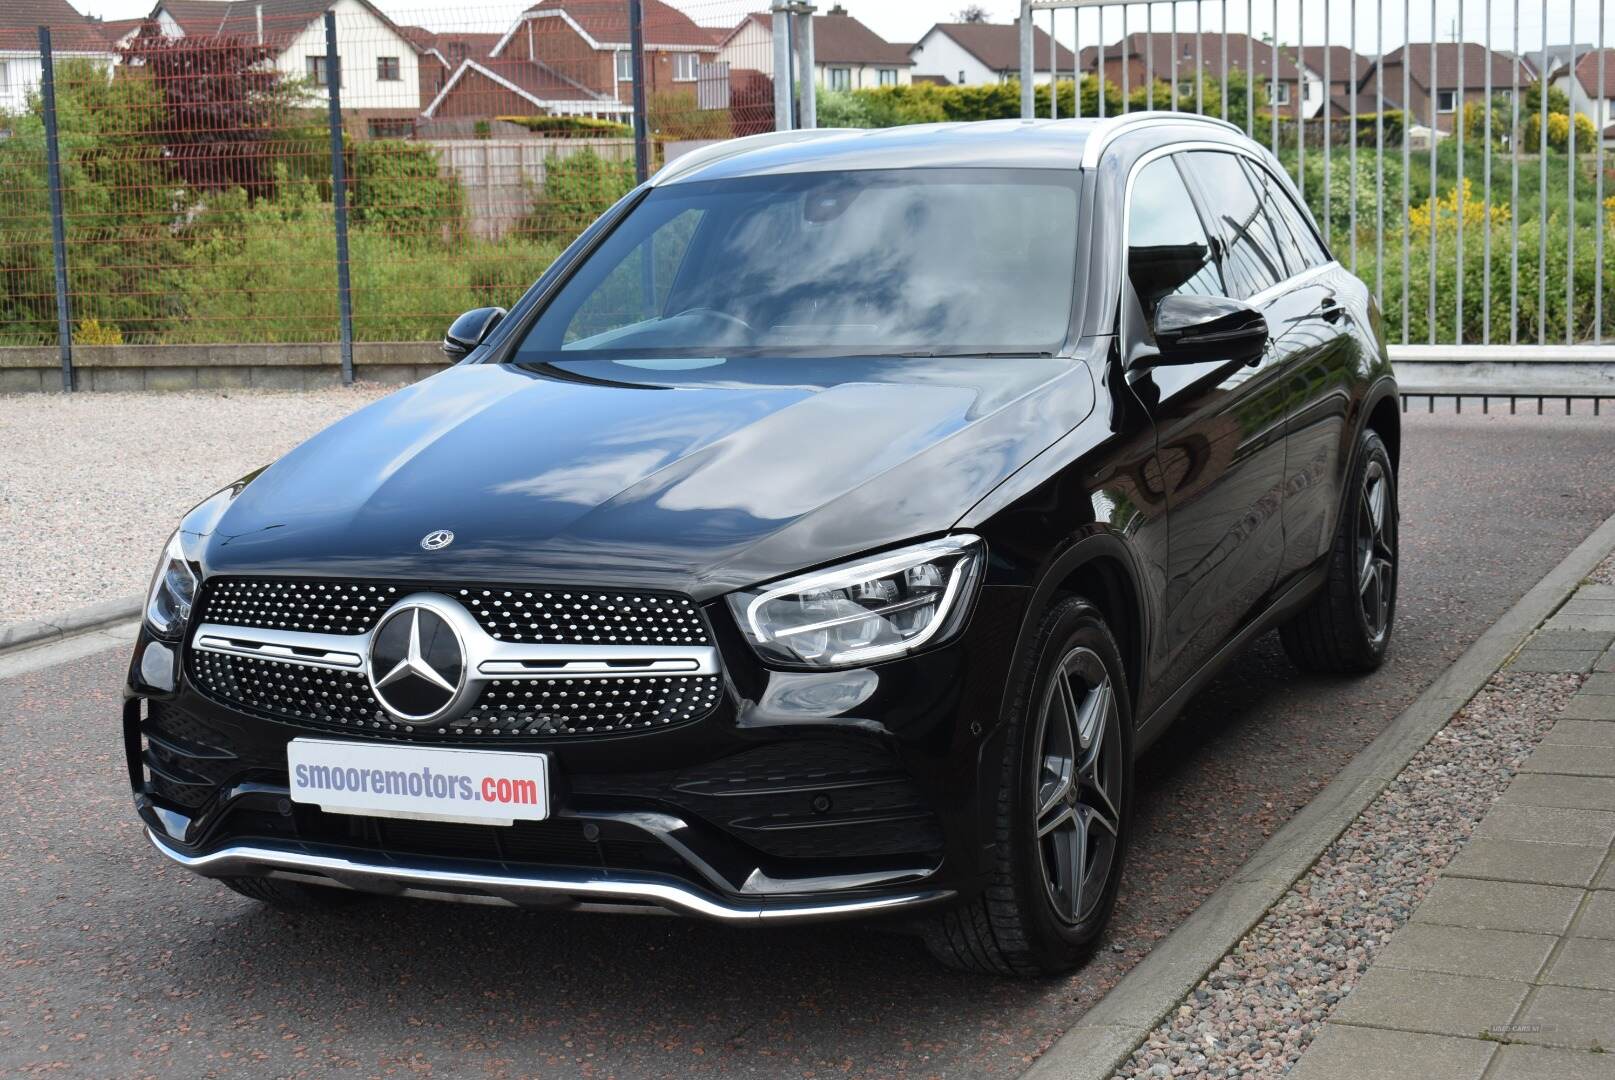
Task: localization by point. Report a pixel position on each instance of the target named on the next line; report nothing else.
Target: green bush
(577, 189)
(567, 125)
(400, 187)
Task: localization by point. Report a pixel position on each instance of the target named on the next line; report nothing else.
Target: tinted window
(928, 261)
(1253, 258)
(1288, 216)
(1167, 248)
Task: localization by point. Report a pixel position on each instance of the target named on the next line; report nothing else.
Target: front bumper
(803, 796)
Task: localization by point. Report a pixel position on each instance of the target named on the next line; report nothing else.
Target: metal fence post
(58, 223)
(339, 193)
(782, 65)
(805, 64)
(1028, 99)
(636, 48)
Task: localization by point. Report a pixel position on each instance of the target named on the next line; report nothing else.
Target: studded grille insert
(522, 613)
(529, 707)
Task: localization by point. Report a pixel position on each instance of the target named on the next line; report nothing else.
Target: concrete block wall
(283, 366)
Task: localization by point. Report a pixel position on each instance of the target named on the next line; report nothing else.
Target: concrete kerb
(27, 635)
(1109, 1032)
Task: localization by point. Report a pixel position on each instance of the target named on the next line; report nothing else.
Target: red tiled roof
(998, 45)
(70, 31)
(1344, 65)
(1446, 67)
(1587, 73)
(1210, 45)
(842, 39)
(282, 19)
(606, 21)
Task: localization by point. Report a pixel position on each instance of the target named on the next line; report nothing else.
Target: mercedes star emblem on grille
(437, 540)
(417, 663)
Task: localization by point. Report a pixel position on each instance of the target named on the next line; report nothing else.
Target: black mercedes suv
(824, 534)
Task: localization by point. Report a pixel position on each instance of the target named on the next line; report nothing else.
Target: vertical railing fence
(1432, 103)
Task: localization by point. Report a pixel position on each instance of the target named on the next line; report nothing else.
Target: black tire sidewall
(1071, 623)
(1373, 449)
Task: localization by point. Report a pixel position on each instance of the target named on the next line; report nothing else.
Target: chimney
(260, 24)
(837, 10)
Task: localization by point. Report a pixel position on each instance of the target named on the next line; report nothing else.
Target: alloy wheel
(1078, 820)
(1376, 551)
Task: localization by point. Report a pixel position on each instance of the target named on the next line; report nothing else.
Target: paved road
(112, 965)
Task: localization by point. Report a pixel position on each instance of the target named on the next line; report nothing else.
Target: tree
(228, 113)
(971, 13)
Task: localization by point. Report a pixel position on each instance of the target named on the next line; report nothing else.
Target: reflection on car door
(1220, 432)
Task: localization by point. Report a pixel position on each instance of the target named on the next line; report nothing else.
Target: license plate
(480, 787)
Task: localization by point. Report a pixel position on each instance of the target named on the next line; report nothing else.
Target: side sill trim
(444, 879)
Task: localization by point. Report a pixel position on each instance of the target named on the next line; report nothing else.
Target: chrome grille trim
(486, 658)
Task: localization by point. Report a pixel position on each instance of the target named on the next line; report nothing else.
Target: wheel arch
(1383, 415)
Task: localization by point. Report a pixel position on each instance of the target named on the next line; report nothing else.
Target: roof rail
(706, 155)
(1114, 127)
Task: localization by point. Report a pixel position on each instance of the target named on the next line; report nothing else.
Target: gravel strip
(91, 484)
(1262, 1005)
(1604, 572)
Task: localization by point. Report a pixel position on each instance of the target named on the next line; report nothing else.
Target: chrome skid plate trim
(446, 879)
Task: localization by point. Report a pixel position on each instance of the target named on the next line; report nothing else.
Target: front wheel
(1062, 809)
(1347, 626)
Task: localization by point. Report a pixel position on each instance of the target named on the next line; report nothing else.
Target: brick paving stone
(1571, 760)
(1573, 640)
(1569, 1016)
(1580, 961)
(1581, 733)
(1432, 1002)
(1500, 905)
(1522, 860)
(1463, 950)
(1597, 919)
(1547, 1063)
(1598, 686)
(1352, 1053)
(1548, 825)
(1581, 792)
(1554, 660)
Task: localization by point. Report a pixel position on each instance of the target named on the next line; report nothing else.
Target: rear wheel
(1347, 626)
(1062, 809)
(292, 895)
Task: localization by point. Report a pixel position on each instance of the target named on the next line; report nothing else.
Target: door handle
(1330, 309)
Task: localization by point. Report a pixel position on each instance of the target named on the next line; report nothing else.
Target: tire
(1023, 925)
(293, 895)
(1347, 626)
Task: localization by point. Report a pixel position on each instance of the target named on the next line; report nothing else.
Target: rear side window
(1289, 218)
(1167, 248)
(1254, 258)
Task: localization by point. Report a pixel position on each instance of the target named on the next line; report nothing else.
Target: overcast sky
(907, 20)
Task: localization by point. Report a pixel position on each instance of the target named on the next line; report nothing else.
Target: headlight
(173, 590)
(866, 611)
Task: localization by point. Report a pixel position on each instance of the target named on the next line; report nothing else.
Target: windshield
(880, 262)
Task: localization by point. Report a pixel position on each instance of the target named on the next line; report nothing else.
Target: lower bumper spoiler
(444, 879)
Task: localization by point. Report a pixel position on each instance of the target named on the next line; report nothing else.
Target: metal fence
(1470, 200)
(305, 172)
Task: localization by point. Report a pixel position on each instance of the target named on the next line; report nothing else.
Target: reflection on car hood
(704, 479)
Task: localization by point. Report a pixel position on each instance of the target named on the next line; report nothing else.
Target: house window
(686, 67)
(961, 77)
(392, 129)
(317, 72)
(387, 69)
(841, 78)
(625, 66)
(1278, 93)
(1446, 101)
(888, 76)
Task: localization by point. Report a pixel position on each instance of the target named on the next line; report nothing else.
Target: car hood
(695, 476)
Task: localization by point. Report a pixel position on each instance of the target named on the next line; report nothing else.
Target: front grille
(549, 615)
(186, 759)
(537, 708)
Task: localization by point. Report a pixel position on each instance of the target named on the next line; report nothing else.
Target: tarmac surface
(113, 964)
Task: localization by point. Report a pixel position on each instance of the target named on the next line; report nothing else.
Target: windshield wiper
(931, 354)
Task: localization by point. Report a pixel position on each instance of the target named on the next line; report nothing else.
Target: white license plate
(482, 787)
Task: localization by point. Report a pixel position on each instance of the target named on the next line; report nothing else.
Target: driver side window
(1168, 251)
(637, 288)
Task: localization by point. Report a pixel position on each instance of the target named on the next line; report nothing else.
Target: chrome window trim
(1112, 128)
(1266, 295)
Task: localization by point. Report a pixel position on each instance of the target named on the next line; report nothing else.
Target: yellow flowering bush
(1446, 210)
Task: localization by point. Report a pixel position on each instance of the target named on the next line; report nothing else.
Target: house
(72, 37)
(1140, 54)
(441, 53)
(490, 86)
(1349, 86)
(381, 66)
(1590, 95)
(585, 43)
(1437, 86)
(847, 55)
(969, 54)
(119, 32)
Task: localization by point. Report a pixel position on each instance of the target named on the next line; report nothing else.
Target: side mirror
(470, 330)
(1193, 329)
